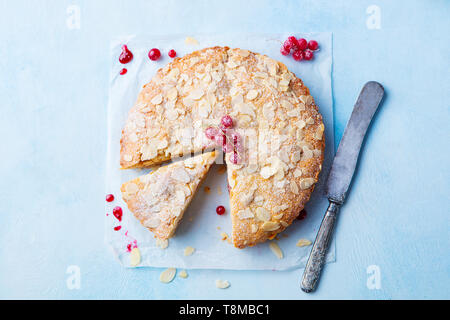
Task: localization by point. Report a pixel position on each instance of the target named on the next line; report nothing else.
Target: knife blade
(344, 162)
(340, 177)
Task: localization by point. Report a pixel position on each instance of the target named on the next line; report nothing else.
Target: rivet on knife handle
(317, 256)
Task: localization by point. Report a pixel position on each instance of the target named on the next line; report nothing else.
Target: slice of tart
(158, 199)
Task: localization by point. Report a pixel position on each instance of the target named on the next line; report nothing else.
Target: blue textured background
(53, 88)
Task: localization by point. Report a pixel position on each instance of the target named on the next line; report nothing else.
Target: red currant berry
(117, 212)
(235, 137)
(234, 158)
(308, 55)
(126, 55)
(293, 43)
(154, 54)
(302, 44)
(117, 228)
(285, 51)
(109, 197)
(220, 210)
(298, 55)
(226, 121)
(313, 45)
(123, 71)
(302, 215)
(220, 139)
(211, 132)
(172, 53)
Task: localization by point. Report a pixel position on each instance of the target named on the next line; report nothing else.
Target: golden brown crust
(274, 113)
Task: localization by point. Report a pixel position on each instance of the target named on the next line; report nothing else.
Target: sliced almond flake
(245, 214)
(262, 214)
(131, 188)
(243, 53)
(296, 155)
(188, 251)
(162, 243)
(183, 274)
(152, 222)
(254, 228)
(127, 158)
(267, 172)
(297, 173)
(310, 120)
(135, 257)
(181, 175)
(167, 275)
(319, 132)
(278, 216)
(284, 224)
(270, 226)
(222, 284)
(172, 93)
(306, 183)
(196, 94)
(157, 99)
(280, 208)
(162, 144)
(148, 151)
(303, 243)
(276, 249)
(294, 187)
(252, 94)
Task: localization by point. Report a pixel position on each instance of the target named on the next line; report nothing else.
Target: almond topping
(306, 183)
(276, 249)
(157, 99)
(188, 251)
(262, 214)
(222, 284)
(303, 243)
(252, 94)
(183, 274)
(167, 275)
(135, 257)
(270, 226)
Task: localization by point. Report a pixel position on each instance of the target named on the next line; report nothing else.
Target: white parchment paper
(199, 227)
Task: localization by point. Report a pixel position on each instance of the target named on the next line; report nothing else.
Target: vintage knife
(340, 176)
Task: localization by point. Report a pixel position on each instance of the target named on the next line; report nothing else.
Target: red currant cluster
(227, 138)
(301, 49)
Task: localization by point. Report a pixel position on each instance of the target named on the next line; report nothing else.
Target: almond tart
(273, 112)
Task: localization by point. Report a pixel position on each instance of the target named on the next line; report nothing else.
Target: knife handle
(317, 256)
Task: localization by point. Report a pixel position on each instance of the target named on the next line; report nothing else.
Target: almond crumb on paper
(224, 236)
(163, 244)
(167, 275)
(276, 249)
(188, 251)
(207, 189)
(303, 243)
(135, 257)
(219, 191)
(191, 41)
(222, 284)
(183, 274)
